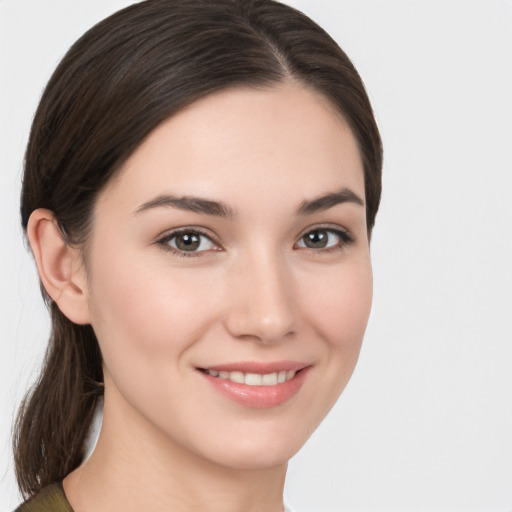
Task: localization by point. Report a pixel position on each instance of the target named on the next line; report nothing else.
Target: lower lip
(258, 397)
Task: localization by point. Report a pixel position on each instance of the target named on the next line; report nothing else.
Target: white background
(426, 422)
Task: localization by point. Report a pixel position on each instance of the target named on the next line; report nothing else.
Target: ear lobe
(59, 266)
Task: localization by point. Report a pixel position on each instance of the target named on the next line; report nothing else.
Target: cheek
(146, 315)
(339, 313)
(341, 305)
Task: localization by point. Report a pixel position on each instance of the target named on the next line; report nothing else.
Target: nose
(262, 303)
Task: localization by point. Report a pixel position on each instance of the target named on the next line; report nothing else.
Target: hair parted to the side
(118, 82)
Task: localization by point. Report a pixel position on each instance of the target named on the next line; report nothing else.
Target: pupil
(316, 239)
(188, 242)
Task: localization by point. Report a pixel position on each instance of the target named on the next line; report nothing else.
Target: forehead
(281, 142)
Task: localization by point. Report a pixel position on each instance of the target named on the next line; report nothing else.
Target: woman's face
(229, 278)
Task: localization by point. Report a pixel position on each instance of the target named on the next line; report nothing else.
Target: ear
(59, 265)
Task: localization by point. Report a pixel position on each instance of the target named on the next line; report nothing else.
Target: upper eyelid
(326, 227)
(164, 242)
(346, 237)
(166, 236)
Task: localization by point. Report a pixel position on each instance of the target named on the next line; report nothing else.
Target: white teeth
(237, 377)
(270, 379)
(255, 379)
(290, 374)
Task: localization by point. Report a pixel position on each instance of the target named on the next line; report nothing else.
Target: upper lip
(258, 367)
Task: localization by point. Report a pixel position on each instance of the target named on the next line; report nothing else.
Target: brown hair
(120, 80)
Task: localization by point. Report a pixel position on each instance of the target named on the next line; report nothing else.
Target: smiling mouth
(255, 384)
(253, 379)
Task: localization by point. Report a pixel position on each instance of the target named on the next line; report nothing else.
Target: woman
(200, 186)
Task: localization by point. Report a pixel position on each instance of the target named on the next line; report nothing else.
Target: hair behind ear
(56, 414)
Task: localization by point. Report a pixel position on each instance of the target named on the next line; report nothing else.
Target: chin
(258, 458)
(258, 447)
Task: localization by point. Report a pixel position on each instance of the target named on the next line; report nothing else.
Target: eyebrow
(327, 201)
(190, 203)
(219, 209)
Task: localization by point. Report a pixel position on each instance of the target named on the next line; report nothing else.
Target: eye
(188, 242)
(324, 238)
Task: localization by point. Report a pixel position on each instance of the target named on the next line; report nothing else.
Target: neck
(135, 466)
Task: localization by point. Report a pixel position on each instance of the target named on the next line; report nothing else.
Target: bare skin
(277, 273)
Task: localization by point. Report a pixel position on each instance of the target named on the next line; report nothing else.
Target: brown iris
(316, 239)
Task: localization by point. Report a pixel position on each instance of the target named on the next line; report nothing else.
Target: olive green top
(50, 499)
(53, 499)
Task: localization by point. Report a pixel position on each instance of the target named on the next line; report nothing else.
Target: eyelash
(345, 239)
(164, 242)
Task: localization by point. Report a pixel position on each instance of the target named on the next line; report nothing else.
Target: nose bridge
(262, 304)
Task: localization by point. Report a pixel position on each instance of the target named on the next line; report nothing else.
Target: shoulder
(50, 499)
